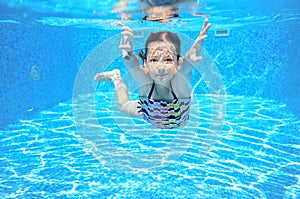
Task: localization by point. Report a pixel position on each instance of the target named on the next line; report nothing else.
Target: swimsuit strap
(175, 97)
(152, 89)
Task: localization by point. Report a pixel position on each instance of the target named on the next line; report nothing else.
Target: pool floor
(256, 155)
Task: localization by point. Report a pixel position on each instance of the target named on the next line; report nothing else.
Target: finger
(127, 38)
(127, 33)
(119, 23)
(126, 54)
(197, 59)
(201, 38)
(206, 28)
(126, 28)
(125, 47)
(204, 23)
(126, 44)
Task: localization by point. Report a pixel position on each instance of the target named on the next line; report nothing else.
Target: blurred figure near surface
(161, 13)
(155, 10)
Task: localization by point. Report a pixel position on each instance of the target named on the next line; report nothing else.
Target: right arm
(129, 57)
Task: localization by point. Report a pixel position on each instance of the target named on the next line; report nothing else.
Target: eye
(169, 60)
(154, 60)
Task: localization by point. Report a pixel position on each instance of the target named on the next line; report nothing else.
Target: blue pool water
(62, 136)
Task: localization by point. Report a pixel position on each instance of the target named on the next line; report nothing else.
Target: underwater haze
(62, 135)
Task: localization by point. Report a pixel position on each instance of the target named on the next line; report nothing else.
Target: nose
(161, 70)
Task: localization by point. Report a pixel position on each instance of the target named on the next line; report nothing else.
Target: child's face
(161, 62)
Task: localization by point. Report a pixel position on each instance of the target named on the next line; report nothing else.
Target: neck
(163, 91)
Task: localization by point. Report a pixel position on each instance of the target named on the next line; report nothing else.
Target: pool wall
(57, 53)
(261, 61)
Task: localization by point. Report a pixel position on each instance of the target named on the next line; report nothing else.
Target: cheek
(151, 68)
(173, 68)
(147, 68)
(175, 71)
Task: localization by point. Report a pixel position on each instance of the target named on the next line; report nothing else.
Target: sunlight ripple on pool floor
(254, 157)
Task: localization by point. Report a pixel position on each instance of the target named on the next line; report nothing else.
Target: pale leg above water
(108, 76)
(126, 106)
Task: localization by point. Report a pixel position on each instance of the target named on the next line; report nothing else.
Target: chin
(163, 80)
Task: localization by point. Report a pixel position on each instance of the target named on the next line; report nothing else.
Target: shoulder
(144, 89)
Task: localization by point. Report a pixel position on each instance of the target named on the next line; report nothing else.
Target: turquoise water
(62, 136)
(252, 158)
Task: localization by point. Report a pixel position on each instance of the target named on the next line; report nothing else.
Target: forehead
(161, 47)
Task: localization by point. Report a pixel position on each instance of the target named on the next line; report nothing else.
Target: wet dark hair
(164, 36)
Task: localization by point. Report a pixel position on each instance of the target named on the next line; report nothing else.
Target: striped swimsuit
(163, 114)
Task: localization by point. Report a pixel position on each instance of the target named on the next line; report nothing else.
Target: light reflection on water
(101, 14)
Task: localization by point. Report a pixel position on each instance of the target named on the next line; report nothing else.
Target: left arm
(192, 57)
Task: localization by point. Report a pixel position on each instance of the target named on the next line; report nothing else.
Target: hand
(193, 54)
(126, 41)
